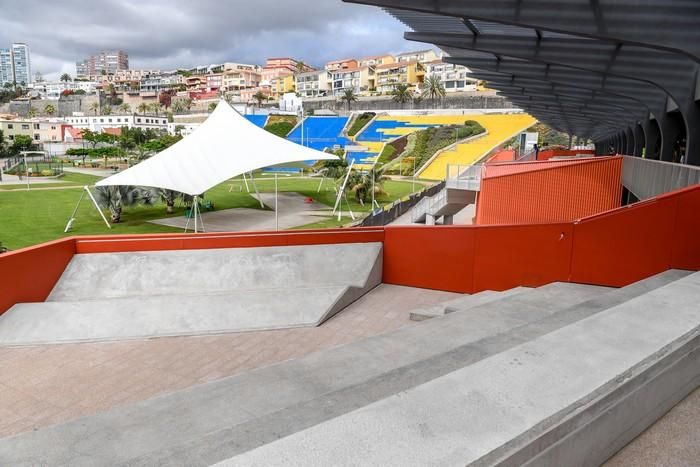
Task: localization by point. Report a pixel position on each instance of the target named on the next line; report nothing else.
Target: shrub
(360, 123)
(280, 129)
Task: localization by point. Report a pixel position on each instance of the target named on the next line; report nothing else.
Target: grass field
(39, 215)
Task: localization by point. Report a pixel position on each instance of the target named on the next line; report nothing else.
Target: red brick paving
(49, 384)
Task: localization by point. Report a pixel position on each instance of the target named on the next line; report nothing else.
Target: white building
(98, 123)
(455, 78)
(422, 56)
(53, 89)
(15, 65)
(313, 83)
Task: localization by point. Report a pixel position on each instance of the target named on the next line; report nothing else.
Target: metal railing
(399, 207)
(647, 178)
(464, 177)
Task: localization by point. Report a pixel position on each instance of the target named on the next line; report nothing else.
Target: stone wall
(461, 101)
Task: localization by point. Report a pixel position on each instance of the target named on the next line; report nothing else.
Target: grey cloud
(167, 34)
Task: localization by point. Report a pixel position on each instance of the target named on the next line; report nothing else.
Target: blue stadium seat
(321, 133)
(373, 131)
(258, 120)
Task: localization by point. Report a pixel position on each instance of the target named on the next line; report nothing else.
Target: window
(138, 120)
(10, 126)
(36, 126)
(102, 120)
(53, 127)
(36, 136)
(25, 126)
(109, 120)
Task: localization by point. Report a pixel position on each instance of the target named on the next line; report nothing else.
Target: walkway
(293, 212)
(48, 384)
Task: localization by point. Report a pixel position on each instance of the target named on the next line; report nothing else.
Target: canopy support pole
(257, 193)
(245, 180)
(195, 208)
(320, 184)
(342, 187)
(277, 212)
(97, 206)
(69, 225)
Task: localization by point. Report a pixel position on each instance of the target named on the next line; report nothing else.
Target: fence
(399, 207)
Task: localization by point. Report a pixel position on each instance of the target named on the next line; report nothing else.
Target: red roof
(75, 133)
(113, 131)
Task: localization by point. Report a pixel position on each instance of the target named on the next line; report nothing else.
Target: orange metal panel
(625, 245)
(506, 155)
(685, 241)
(430, 257)
(511, 168)
(549, 153)
(521, 255)
(559, 192)
(29, 274)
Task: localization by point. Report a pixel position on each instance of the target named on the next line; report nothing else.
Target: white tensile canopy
(224, 146)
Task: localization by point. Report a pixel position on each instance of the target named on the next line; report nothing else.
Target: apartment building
(40, 131)
(99, 123)
(344, 64)
(154, 85)
(53, 89)
(282, 85)
(15, 64)
(314, 83)
(424, 56)
(237, 76)
(389, 75)
(103, 63)
(286, 63)
(455, 78)
(377, 60)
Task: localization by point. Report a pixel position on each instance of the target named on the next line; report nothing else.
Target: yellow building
(282, 85)
(389, 75)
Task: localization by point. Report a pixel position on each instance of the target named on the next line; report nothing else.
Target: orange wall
(28, 275)
(549, 153)
(556, 191)
(505, 155)
(614, 248)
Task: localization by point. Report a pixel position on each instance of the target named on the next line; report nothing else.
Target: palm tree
(49, 109)
(260, 97)
(361, 184)
(107, 110)
(94, 107)
(65, 77)
(211, 107)
(348, 96)
(31, 113)
(142, 108)
(301, 66)
(156, 107)
(433, 88)
(119, 196)
(401, 93)
(125, 108)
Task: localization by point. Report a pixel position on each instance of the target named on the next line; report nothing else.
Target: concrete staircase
(564, 374)
(117, 296)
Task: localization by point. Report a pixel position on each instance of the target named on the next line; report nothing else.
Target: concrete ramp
(115, 296)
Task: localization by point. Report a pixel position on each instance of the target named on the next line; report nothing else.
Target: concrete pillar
(448, 219)
(629, 139)
(429, 219)
(639, 140)
(671, 128)
(692, 134)
(652, 139)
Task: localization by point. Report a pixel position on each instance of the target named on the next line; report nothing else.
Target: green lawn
(35, 216)
(68, 179)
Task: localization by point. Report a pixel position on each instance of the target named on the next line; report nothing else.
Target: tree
(142, 108)
(181, 105)
(301, 66)
(49, 109)
(348, 97)
(211, 107)
(125, 108)
(117, 197)
(107, 110)
(95, 107)
(401, 93)
(65, 77)
(361, 184)
(31, 113)
(156, 108)
(260, 97)
(21, 143)
(433, 88)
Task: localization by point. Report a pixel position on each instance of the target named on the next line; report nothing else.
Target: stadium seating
(258, 120)
(320, 132)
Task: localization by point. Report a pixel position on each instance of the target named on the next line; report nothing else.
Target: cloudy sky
(167, 34)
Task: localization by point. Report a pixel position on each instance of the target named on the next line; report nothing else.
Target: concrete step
(212, 422)
(570, 397)
(148, 273)
(463, 303)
